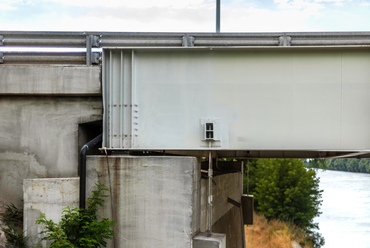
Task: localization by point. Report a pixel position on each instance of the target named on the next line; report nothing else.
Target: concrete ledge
(50, 80)
(216, 240)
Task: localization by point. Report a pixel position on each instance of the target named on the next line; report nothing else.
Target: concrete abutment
(155, 201)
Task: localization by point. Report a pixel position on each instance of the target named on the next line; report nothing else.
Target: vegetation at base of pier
(285, 189)
(12, 220)
(274, 234)
(347, 164)
(79, 227)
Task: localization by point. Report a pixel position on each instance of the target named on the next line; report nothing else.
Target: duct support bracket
(285, 40)
(92, 41)
(95, 58)
(188, 41)
(95, 40)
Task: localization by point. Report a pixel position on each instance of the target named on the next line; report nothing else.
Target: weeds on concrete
(12, 219)
(79, 227)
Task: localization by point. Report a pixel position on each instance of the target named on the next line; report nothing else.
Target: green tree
(349, 164)
(352, 165)
(288, 190)
(317, 163)
(285, 189)
(363, 165)
(339, 164)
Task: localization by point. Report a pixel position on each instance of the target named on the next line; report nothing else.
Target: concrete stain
(14, 168)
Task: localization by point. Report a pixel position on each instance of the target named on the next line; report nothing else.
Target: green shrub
(80, 227)
(13, 226)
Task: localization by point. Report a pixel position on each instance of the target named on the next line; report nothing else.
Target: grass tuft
(273, 234)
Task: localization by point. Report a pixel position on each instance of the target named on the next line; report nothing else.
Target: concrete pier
(155, 201)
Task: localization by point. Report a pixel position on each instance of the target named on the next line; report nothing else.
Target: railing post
(88, 49)
(91, 41)
(1, 54)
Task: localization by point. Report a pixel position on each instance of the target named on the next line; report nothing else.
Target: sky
(185, 15)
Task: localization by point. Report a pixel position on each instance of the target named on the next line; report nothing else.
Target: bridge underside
(243, 154)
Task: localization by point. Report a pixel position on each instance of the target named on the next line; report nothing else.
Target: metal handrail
(90, 40)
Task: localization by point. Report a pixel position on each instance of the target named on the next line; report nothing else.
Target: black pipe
(82, 165)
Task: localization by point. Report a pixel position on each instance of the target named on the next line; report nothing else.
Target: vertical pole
(248, 177)
(218, 15)
(210, 178)
(110, 117)
(241, 207)
(122, 108)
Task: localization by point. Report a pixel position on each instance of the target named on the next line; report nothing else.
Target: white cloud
(299, 4)
(332, 1)
(134, 3)
(308, 4)
(181, 16)
(175, 22)
(365, 3)
(4, 6)
(262, 20)
(11, 4)
(335, 2)
(114, 15)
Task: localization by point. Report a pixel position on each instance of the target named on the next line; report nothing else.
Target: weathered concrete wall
(155, 199)
(39, 138)
(50, 79)
(226, 218)
(47, 196)
(231, 225)
(2, 234)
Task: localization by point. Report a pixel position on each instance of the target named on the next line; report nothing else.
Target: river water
(345, 218)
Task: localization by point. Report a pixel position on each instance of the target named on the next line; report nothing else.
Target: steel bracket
(1, 40)
(1, 58)
(91, 41)
(95, 58)
(235, 203)
(188, 41)
(285, 40)
(95, 40)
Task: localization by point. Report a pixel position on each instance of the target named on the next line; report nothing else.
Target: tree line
(346, 164)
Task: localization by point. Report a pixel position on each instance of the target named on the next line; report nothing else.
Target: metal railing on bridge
(75, 48)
